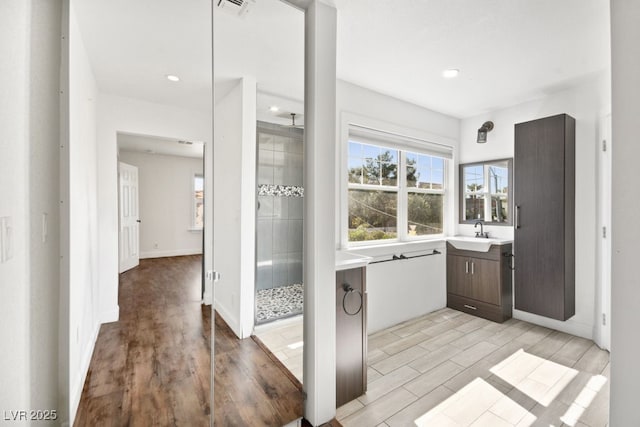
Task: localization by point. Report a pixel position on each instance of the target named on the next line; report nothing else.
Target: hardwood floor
(153, 366)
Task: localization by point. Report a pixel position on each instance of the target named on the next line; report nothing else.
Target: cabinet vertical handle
(472, 267)
(466, 267)
(517, 216)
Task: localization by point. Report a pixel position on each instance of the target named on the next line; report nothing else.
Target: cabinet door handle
(470, 307)
(473, 267)
(466, 267)
(517, 216)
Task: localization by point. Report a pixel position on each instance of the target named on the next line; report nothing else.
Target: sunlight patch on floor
(538, 378)
(479, 403)
(583, 400)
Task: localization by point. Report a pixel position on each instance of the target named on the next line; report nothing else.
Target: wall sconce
(482, 132)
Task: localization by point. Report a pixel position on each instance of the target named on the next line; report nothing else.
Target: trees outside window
(393, 193)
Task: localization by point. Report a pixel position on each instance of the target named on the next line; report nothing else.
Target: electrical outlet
(155, 246)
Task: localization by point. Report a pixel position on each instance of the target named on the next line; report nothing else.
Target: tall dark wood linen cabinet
(544, 237)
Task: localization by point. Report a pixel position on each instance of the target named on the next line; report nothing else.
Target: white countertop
(347, 259)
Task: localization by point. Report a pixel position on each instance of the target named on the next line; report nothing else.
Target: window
(395, 190)
(198, 201)
(484, 191)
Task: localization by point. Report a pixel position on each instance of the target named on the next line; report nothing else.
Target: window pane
(355, 170)
(473, 207)
(198, 183)
(389, 173)
(381, 170)
(425, 171)
(412, 169)
(355, 149)
(498, 182)
(425, 213)
(370, 151)
(198, 194)
(372, 215)
(499, 207)
(199, 222)
(474, 178)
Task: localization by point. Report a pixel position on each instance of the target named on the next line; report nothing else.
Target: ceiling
(160, 145)
(508, 51)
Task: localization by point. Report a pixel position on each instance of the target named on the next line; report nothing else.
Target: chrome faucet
(482, 233)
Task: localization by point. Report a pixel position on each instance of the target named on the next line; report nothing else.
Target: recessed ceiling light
(173, 78)
(450, 73)
(274, 109)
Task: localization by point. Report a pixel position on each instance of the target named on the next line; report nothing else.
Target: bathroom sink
(478, 244)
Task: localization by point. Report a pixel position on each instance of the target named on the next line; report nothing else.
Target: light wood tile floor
(448, 368)
(284, 339)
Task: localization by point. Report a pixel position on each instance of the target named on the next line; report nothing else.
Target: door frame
(602, 332)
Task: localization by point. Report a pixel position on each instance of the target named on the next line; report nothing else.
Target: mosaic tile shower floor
(276, 303)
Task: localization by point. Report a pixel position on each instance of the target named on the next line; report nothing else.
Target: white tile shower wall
(279, 229)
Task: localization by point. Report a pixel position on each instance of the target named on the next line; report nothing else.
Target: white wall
(84, 319)
(120, 114)
(400, 290)
(14, 184)
(29, 279)
(234, 205)
(165, 199)
(586, 103)
(625, 346)
(44, 201)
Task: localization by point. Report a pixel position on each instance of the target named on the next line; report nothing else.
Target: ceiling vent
(235, 7)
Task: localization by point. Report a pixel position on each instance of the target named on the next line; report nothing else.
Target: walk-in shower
(279, 290)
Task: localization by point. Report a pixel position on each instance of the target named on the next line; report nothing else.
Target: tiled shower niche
(279, 221)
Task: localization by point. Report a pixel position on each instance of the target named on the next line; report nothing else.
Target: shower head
(295, 119)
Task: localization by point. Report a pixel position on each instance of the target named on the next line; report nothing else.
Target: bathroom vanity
(479, 277)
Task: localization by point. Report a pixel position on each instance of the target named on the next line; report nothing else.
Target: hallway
(153, 366)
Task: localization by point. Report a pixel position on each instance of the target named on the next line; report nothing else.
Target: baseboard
(168, 253)
(228, 318)
(109, 316)
(568, 327)
(76, 393)
(207, 298)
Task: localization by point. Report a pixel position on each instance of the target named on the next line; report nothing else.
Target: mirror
(486, 192)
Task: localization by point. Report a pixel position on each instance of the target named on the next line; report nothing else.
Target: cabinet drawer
(476, 308)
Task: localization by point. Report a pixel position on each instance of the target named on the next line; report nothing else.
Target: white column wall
(14, 144)
(234, 205)
(319, 213)
(625, 288)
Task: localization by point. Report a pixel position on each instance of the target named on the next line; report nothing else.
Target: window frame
(486, 195)
(404, 141)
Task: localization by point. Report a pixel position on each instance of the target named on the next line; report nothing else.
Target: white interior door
(129, 217)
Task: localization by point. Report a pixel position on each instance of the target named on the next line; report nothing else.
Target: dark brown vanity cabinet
(479, 283)
(544, 237)
(351, 335)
